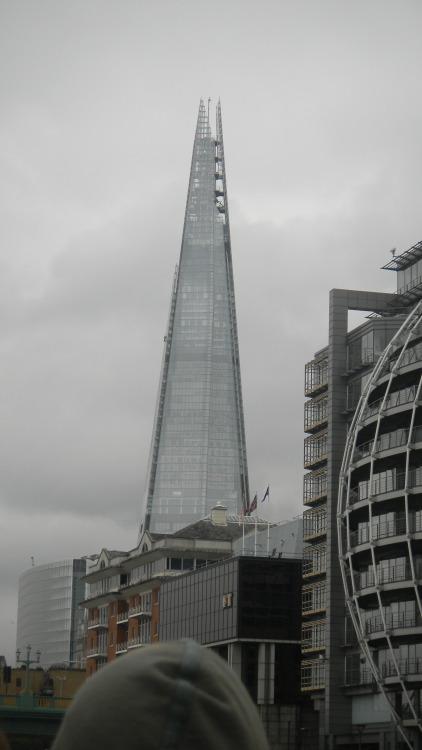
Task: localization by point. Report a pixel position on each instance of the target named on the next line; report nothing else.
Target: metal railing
(121, 647)
(393, 620)
(406, 667)
(389, 440)
(359, 676)
(33, 701)
(392, 574)
(139, 610)
(399, 398)
(97, 623)
(382, 530)
(390, 481)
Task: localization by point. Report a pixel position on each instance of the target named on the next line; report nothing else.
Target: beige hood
(168, 696)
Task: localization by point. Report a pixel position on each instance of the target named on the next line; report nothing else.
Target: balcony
(313, 598)
(312, 675)
(97, 624)
(316, 376)
(393, 621)
(411, 356)
(390, 440)
(393, 400)
(313, 636)
(366, 357)
(138, 642)
(389, 481)
(316, 414)
(97, 652)
(314, 523)
(315, 450)
(383, 530)
(121, 648)
(407, 667)
(314, 560)
(359, 676)
(139, 611)
(315, 486)
(122, 617)
(393, 574)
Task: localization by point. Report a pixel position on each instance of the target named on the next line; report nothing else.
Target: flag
(267, 494)
(253, 505)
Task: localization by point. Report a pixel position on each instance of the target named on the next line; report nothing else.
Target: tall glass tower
(198, 450)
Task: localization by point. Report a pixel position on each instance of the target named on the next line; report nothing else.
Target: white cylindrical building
(49, 619)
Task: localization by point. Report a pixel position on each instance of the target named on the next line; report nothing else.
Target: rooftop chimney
(219, 515)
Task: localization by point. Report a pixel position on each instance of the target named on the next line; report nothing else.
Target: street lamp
(360, 728)
(27, 662)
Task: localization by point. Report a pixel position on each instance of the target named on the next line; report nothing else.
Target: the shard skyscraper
(198, 450)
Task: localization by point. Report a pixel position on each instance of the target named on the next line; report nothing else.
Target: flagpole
(256, 528)
(243, 534)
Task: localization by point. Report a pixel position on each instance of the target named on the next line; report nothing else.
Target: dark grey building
(248, 610)
(198, 448)
(335, 380)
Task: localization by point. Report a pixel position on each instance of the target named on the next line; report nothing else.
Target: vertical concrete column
(234, 658)
(266, 657)
(338, 705)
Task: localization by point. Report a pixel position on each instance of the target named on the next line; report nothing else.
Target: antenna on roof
(393, 251)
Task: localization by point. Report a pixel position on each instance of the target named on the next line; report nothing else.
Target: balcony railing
(406, 667)
(121, 647)
(393, 620)
(97, 651)
(399, 398)
(412, 355)
(139, 611)
(137, 642)
(362, 358)
(396, 439)
(383, 530)
(390, 481)
(392, 574)
(314, 560)
(316, 376)
(123, 616)
(312, 675)
(314, 523)
(315, 450)
(315, 413)
(97, 623)
(359, 676)
(314, 485)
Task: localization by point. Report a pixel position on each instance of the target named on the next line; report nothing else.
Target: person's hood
(168, 696)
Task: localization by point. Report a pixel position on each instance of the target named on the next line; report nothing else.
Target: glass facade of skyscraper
(198, 453)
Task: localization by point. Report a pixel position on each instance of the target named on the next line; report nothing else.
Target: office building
(49, 619)
(198, 449)
(123, 601)
(248, 610)
(336, 667)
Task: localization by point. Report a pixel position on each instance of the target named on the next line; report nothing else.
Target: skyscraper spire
(198, 450)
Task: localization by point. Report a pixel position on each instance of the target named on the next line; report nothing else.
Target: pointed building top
(203, 129)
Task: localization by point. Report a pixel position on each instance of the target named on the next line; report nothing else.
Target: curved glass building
(48, 615)
(380, 530)
(198, 450)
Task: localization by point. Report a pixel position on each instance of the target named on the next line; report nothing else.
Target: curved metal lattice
(380, 525)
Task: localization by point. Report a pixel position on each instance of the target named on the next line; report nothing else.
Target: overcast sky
(99, 98)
